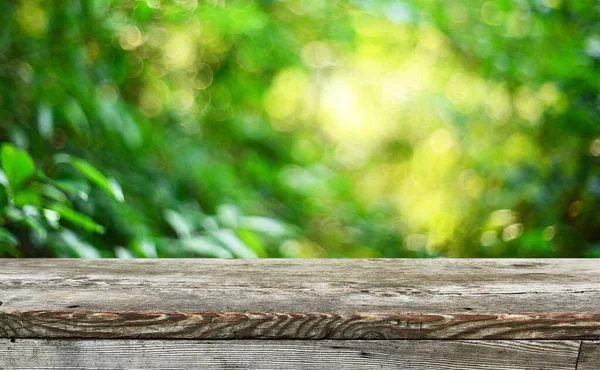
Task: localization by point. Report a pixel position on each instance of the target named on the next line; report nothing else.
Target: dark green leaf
(7, 237)
(3, 197)
(34, 224)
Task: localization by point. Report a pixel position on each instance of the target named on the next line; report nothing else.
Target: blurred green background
(366, 128)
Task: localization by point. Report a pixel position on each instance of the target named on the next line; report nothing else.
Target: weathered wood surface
(301, 299)
(286, 354)
(589, 356)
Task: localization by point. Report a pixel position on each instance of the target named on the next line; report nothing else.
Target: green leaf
(77, 218)
(121, 252)
(250, 239)
(233, 243)
(264, 225)
(52, 193)
(110, 186)
(3, 197)
(17, 164)
(75, 186)
(35, 225)
(7, 237)
(81, 248)
(205, 247)
(144, 248)
(45, 121)
(14, 214)
(3, 179)
(29, 196)
(179, 223)
(75, 116)
(52, 217)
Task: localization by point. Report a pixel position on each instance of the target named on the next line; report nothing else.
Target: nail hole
(73, 306)
(12, 340)
(0, 303)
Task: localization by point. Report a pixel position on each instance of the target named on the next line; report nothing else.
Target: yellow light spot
(150, 103)
(488, 238)
(548, 93)
(395, 91)
(25, 71)
(183, 100)
(520, 147)
(502, 217)
(317, 54)
(291, 248)
(458, 12)
(490, 13)
(554, 4)
(340, 100)
(441, 141)
(188, 4)
(518, 24)
(152, 97)
(366, 25)
(311, 250)
(32, 18)
(512, 232)
(178, 51)
(350, 155)
(498, 104)
(528, 106)
(154, 4)
(460, 88)
(204, 77)
(431, 47)
(130, 38)
(549, 233)
(108, 92)
(285, 96)
(595, 147)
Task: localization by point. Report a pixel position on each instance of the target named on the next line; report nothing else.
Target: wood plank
(589, 356)
(301, 299)
(286, 354)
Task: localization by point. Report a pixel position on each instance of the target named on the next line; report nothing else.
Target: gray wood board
(301, 299)
(589, 356)
(285, 354)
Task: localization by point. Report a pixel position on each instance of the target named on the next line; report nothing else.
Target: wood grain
(589, 356)
(284, 354)
(300, 299)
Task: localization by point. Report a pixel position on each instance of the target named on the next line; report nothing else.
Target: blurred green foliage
(366, 128)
